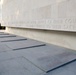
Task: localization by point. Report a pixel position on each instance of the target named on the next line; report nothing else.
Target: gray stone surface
(18, 66)
(16, 45)
(9, 39)
(69, 69)
(48, 58)
(4, 48)
(6, 56)
(4, 36)
(9, 68)
(36, 59)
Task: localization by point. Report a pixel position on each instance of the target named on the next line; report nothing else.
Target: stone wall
(40, 14)
(51, 21)
(65, 39)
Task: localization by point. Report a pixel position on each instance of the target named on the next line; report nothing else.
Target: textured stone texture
(3, 36)
(40, 14)
(48, 57)
(9, 39)
(64, 39)
(69, 69)
(22, 44)
(40, 60)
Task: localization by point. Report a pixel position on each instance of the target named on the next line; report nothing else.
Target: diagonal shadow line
(61, 65)
(14, 40)
(29, 47)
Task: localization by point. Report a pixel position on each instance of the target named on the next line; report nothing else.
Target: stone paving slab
(4, 48)
(4, 36)
(17, 45)
(12, 67)
(69, 69)
(18, 66)
(31, 57)
(47, 58)
(9, 39)
(30, 66)
(6, 56)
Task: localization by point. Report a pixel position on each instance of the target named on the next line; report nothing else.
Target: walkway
(23, 56)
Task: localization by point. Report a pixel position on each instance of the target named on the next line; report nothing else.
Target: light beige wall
(65, 39)
(28, 16)
(40, 14)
